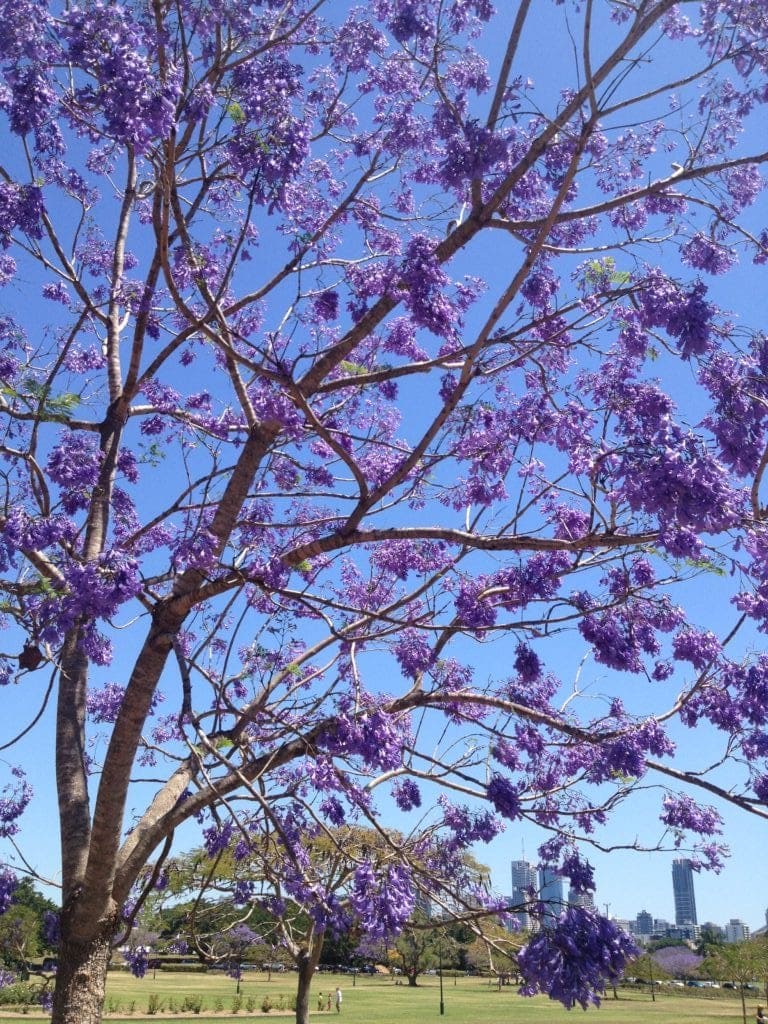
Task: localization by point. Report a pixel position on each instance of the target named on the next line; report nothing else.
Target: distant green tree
(648, 969)
(422, 946)
(19, 938)
(709, 937)
(738, 962)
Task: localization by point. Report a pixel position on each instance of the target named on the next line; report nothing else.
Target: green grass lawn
(379, 1000)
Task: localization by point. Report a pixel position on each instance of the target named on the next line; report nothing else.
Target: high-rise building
(551, 894)
(523, 890)
(682, 888)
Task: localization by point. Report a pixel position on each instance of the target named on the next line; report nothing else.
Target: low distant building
(642, 926)
(736, 930)
(581, 899)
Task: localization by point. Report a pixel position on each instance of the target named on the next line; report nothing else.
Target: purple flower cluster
(21, 206)
(137, 959)
(468, 826)
(104, 705)
(217, 838)
(686, 315)
(13, 802)
(578, 871)
(51, 929)
(423, 281)
(470, 154)
(504, 796)
(574, 959)
(8, 885)
(413, 652)
(370, 733)
(407, 794)
(682, 814)
(114, 47)
(704, 253)
(382, 899)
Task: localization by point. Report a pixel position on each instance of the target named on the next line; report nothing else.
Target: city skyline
(527, 878)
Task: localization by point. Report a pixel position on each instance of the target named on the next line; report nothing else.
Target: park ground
(212, 998)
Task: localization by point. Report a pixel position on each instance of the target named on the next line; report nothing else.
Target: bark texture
(81, 977)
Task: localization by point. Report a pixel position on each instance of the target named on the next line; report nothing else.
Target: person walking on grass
(320, 1001)
(339, 999)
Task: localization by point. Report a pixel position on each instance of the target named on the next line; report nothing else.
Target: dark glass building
(685, 897)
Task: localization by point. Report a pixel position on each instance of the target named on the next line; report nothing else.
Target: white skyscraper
(523, 890)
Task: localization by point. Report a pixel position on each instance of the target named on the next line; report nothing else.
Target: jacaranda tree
(364, 369)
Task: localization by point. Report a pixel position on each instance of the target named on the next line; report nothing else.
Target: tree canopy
(373, 414)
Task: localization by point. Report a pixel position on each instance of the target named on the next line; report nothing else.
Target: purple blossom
(469, 827)
(504, 796)
(578, 871)
(470, 154)
(382, 900)
(682, 814)
(701, 649)
(407, 794)
(704, 253)
(574, 959)
(137, 960)
(424, 282)
(526, 663)
(326, 305)
(8, 885)
(13, 802)
(217, 838)
(51, 929)
(413, 652)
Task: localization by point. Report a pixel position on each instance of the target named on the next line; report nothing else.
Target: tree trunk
(81, 978)
(412, 976)
(302, 993)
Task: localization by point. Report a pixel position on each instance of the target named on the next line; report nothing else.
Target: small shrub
(266, 1004)
(173, 1006)
(218, 1004)
(113, 1005)
(192, 1004)
(19, 993)
(155, 1005)
(250, 1004)
(131, 1007)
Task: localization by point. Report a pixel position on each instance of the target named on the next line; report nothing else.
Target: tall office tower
(551, 893)
(523, 890)
(682, 887)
